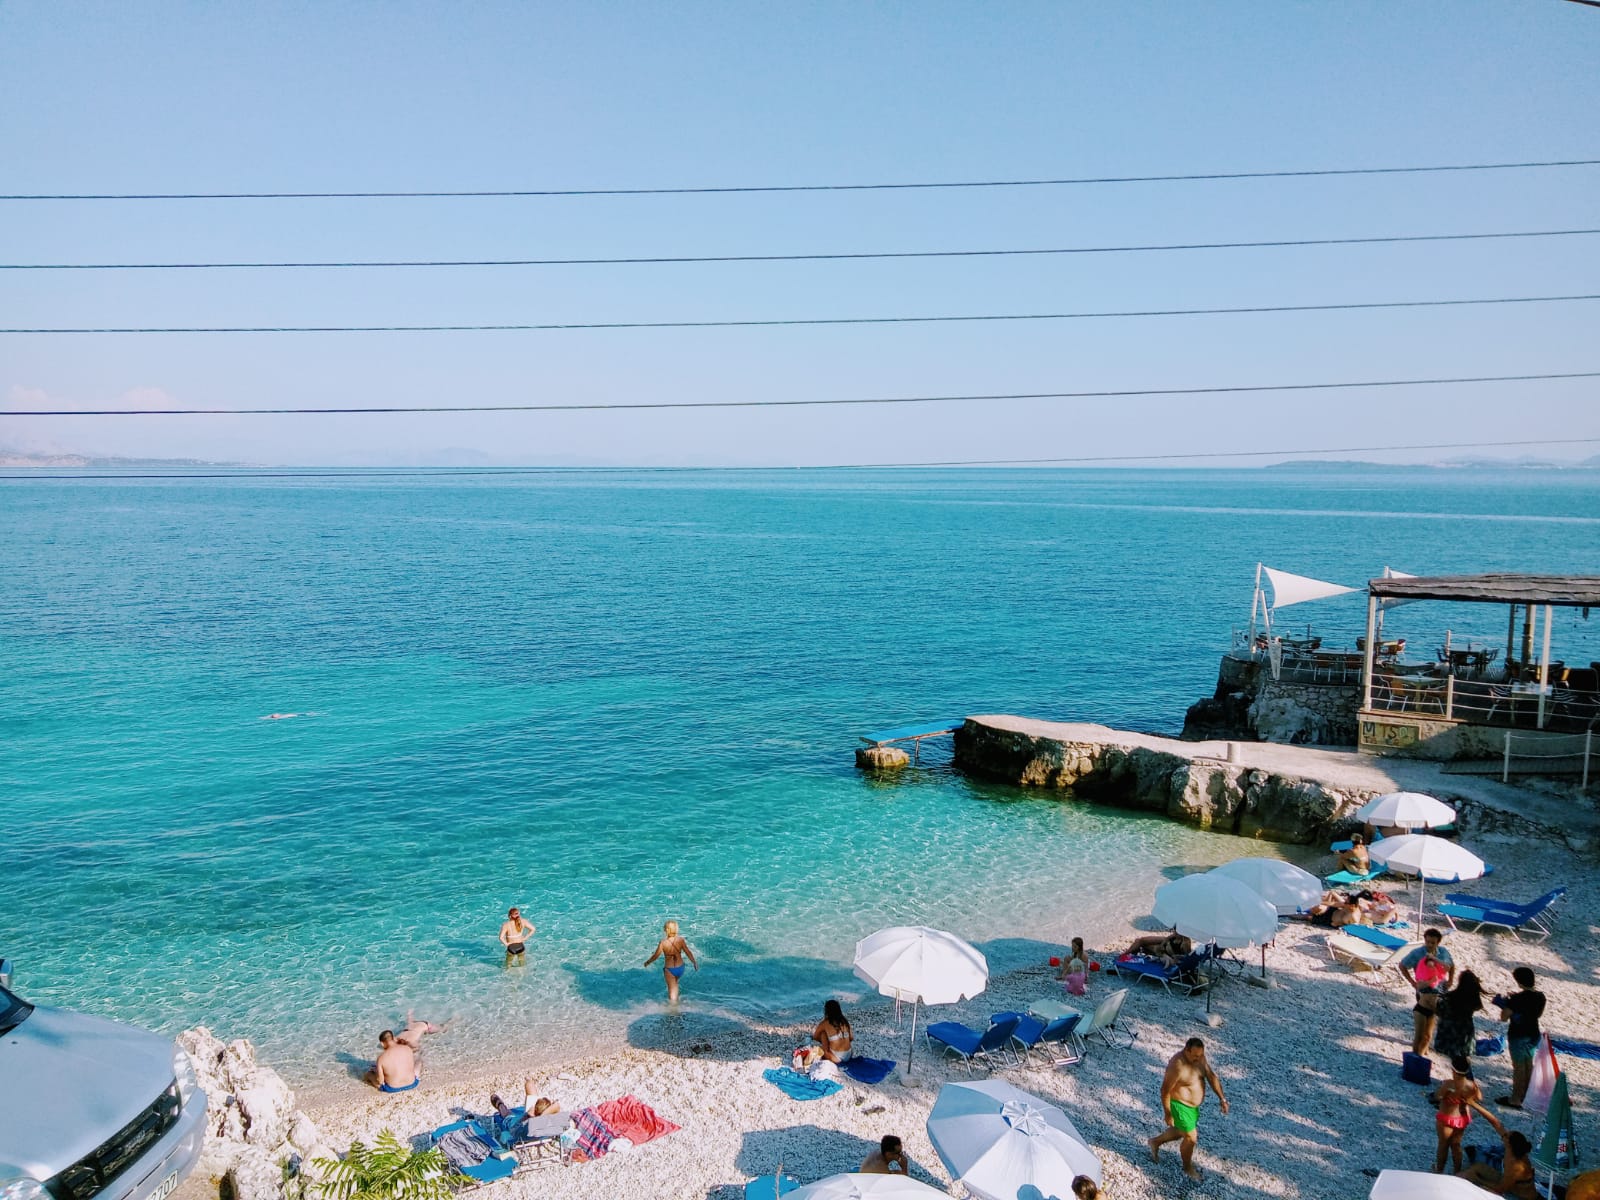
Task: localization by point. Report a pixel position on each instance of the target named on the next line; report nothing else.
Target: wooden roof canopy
(1561, 591)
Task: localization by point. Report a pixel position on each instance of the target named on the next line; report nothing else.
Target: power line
(248, 473)
(819, 402)
(756, 258)
(809, 187)
(795, 321)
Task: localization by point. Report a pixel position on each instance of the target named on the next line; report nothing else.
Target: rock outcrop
(259, 1146)
(881, 758)
(1204, 792)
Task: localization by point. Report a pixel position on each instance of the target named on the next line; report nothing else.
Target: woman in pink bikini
(1457, 1097)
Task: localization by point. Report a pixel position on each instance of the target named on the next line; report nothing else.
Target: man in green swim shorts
(1182, 1091)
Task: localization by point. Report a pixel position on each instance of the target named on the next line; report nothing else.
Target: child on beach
(1074, 972)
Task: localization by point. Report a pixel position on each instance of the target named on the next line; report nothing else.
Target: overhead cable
(807, 187)
(609, 406)
(794, 321)
(757, 258)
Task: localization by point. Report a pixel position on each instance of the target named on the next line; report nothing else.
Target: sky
(161, 97)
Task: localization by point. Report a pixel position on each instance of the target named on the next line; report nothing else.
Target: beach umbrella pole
(911, 1050)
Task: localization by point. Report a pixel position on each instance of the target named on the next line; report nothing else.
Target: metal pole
(1449, 696)
(1588, 745)
(1511, 640)
(1527, 635)
(1367, 653)
(911, 1050)
(1255, 600)
(1505, 771)
(1544, 666)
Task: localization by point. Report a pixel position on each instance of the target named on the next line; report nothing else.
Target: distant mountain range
(1526, 462)
(17, 458)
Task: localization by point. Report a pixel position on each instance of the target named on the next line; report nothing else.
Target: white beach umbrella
(1418, 1185)
(853, 1186)
(1281, 884)
(1408, 810)
(1428, 858)
(997, 1139)
(1209, 907)
(925, 966)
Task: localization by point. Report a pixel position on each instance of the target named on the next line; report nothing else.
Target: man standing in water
(1182, 1091)
(514, 935)
(672, 950)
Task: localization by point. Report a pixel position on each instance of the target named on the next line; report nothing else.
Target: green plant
(385, 1170)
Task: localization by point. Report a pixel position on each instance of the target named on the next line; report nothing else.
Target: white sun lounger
(1363, 957)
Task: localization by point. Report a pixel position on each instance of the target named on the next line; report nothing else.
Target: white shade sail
(913, 962)
(1394, 601)
(1290, 589)
(1281, 884)
(852, 1186)
(1431, 858)
(997, 1140)
(1418, 1185)
(1409, 810)
(1214, 908)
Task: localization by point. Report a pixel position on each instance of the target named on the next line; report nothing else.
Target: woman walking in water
(672, 950)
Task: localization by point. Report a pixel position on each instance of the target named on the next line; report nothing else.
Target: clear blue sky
(352, 96)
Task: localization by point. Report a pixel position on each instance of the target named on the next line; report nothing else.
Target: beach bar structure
(1461, 707)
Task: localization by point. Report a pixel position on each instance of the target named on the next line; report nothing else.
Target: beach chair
(1363, 957)
(1380, 938)
(1184, 976)
(1535, 917)
(1059, 1039)
(1349, 878)
(969, 1046)
(770, 1187)
(1106, 1020)
(1025, 1036)
(537, 1141)
(474, 1153)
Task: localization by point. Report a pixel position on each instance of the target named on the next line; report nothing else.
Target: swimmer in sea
(514, 935)
(672, 950)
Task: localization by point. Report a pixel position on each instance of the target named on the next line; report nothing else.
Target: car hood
(69, 1081)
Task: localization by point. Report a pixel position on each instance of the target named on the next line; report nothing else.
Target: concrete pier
(1281, 793)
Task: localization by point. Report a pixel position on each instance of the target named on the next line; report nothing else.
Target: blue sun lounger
(970, 1046)
(1377, 937)
(1185, 975)
(1496, 914)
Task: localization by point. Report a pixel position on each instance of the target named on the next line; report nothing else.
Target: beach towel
(1576, 1049)
(594, 1136)
(868, 1070)
(633, 1119)
(465, 1147)
(797, 1086)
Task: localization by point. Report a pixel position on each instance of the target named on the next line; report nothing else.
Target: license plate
(168, 1186)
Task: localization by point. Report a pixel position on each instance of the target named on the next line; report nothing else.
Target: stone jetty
(1279, 793)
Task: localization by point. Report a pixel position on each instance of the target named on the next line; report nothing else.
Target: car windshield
(13, 1011)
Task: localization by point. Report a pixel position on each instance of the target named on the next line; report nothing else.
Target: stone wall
(1207, 793)
(1304, 714)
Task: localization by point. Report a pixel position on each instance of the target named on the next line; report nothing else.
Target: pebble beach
(1310, 1065)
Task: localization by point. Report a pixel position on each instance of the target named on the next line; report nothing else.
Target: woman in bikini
(672, 950)
(833, 1033)
(1457, 1097)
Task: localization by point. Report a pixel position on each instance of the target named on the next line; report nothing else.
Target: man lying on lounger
(1168, 947)
(1336, 909)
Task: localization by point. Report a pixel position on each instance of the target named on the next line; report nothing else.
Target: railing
(1568, 755)
(1478, 702)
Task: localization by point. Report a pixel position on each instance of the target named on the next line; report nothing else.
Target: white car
(91, 1107)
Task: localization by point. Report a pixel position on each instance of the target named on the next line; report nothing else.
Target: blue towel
(867, 1070)
(797, 1086)
(1576, 1049)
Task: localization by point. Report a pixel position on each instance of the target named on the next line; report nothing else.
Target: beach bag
(1416, 1068)
(1542, 1079)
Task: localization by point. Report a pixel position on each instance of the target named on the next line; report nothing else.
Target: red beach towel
(633, 1119)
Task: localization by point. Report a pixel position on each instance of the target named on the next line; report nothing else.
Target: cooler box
(1416, 1068)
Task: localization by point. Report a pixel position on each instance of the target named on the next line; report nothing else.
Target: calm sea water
(617, 698)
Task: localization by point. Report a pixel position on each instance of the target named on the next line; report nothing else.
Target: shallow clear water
(617, 698)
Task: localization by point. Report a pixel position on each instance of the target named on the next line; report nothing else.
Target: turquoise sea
(614, 698)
